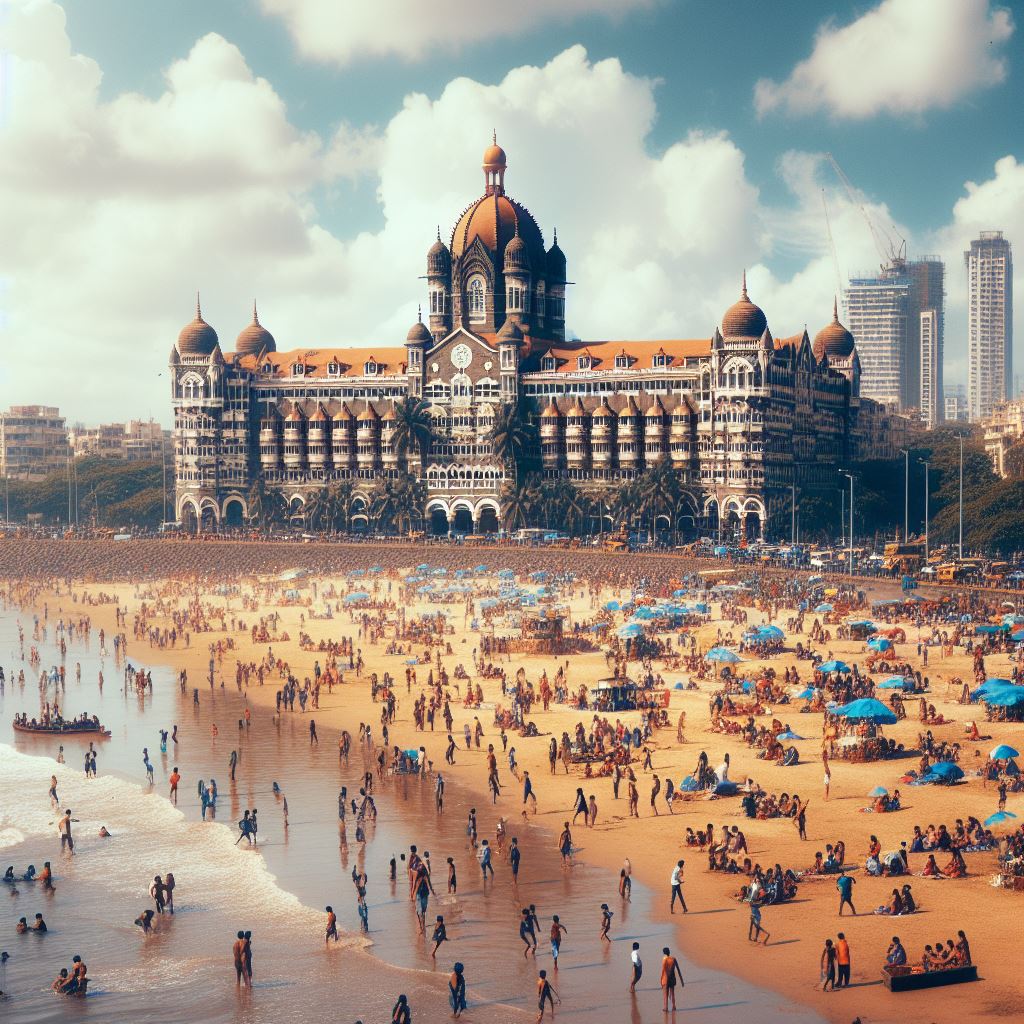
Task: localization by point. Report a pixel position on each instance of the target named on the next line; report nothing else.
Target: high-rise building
(989, 323)
(926, 315)
(955, 402)
(876, 311)
(931, 368)
(33, 442)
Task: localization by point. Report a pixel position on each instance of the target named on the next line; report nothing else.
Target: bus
(903, 558)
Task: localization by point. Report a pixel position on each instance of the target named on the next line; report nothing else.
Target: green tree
(519, 500)
(414, 432)
(513, 437)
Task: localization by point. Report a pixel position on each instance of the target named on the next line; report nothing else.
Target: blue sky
(340, 171)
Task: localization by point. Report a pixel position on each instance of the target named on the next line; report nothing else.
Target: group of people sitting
(53, 722)
(971, 837)
(761, 805)
(771, 886)
(901, 902)
(940, 957)
(956, 868)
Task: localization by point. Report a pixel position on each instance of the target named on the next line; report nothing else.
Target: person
(638, 968)
(963, 949)
(545, 994)
(169, 885)
(842, 962)
(670, 973)
(79, 980)
(828, 966)
(485, 860)
(557, 928)
(45, 878)
(565, 845)
(364, 913)
(528, 792)
(606, 922)
(247, 955)
(174, 779)
(828, 772)
(527, 934)
(755, 929)
(677, 888)
(514, 857)
(54, 801)
(440, 935)
(238, 953)
(145, 921)
(581, 807)
(896, 955)
(400, 1012)
(844, 883)
(156, 891)
(332, 925)
(453, 882)
(40, 924)
(64, 827)
(457, 990)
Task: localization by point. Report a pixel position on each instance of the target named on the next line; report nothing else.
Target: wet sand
(713, 934)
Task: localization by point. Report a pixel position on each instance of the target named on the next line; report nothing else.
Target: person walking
(677, 888)
(844, 883)
(842, 962)
(828, 966)
(670, 973)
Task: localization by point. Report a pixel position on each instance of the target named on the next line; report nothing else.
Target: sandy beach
(714, 932)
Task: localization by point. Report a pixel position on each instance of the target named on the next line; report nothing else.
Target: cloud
(340, 31)
(114, 213)
(901, 58)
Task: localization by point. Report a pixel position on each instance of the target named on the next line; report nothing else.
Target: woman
(400, 1013)
(909, 904)
(931, 868)
(457, 990)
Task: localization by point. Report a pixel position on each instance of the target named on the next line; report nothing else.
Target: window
(660, 360)
(622, 362)
(583, 362)
(191, 389)
(415, 359)
(475, 299)
(333, 368)
(437, 302)
(507, 357)
(540, 299)
(556, 307)
(549, 363)
(370, 368)
(268, 368)
(514, 298)
(298, 369)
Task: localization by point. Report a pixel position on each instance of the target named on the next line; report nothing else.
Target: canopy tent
(944, 771)
(880, 644)
(867, 709)
(895, 683)
(1003, 752)
(723, 655)
(356, 595)
(833, 666)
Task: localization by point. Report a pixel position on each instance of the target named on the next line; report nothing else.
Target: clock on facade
(462, 356)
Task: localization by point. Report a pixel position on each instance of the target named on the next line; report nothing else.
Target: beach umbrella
(425, 589)
(679, 686)
(1017, 636)
(422, 567)
(630, 631)
(645, 614)
(879, 791)
(880, 643)
(999, 817)
(412, 661)
(1005, 696)
(833, 666)
(805, 694)
(723, 655)
(773, 632)
(789, 734)
(612, 606)
(823, 607)
(945, 771)
(1002, 752)
(679, 593)
(702, 609)
(357, 595)
(987, 630)
(892, 683)
(489, 602)
(480, 568)
(867, 709)
(506, 574)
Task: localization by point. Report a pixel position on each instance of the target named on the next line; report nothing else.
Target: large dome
(197, 338)
(743, 319)
(833, 340)
(495, 219)
(255, 338)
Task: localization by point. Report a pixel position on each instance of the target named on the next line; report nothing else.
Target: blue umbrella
(630, 631)
(703, 609)
(987, 630)
(944, 771)
(867, 709)
(788, 735)
(771, 631)
(612, 606)
(488, 602)
(893, 683)
(722, 654)
(679, 593)
(1018, 636)
(358, 595)
(999, 817)
(880, 644)
(412, 661)
(805, 694)
(833, 666)
(480, 568)
(422, 567)
(376, 568)
(645, 613)
(879, 791)
(1005, 697)
(506, 574)
(1003, 752)
(823, 607)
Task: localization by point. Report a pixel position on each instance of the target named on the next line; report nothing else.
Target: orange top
(175, 779)
(842, 951)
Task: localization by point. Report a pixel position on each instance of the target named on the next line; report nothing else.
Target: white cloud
(902, 57)
(114, 213)
(339, 31)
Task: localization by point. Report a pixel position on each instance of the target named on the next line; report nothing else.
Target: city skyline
(234, 154)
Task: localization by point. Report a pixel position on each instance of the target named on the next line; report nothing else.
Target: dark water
(184, 971)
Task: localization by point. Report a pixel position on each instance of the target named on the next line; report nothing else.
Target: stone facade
(742, 417)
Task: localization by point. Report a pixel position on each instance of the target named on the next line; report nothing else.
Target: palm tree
(414, 431)
(660, 493)
(512, 437)
(626, 503)
(518, 502)
(410, 498)
(339, 503)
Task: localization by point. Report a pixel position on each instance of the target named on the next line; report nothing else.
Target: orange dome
(833, 339)
(494, 156)
(495, 219)
(197, 338)
(743, 319)
(255, 338)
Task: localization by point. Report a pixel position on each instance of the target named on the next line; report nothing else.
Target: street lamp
(961, 497)
(906, 493)
(849, 476)
(925, 464)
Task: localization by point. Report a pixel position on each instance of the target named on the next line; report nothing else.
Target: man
(896, 954)
(238, 952)
(332, 925)
(514, 857)
(64, 827)
(677, 888)
(174, 780)
(844, 883)
(528, 793)
(557, 928)
(670, 973)
(638, 967)
(828, 965)
(842, 962)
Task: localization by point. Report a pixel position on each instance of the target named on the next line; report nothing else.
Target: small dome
(833, 340)
(197, 338)
(743, 319)
(556, 261)
(419, 333)
(255, 338)
(517, 256)
(510, 331)
(494, 156)
(439, 259)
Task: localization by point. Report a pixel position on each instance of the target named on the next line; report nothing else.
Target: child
(545, 994)
(440, 935)
(556, 937)
(606, 922)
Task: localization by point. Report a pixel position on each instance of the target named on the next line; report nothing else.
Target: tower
(989, 264)
(417, 341)
(439, 287)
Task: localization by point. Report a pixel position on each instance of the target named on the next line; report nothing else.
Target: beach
(306, 868)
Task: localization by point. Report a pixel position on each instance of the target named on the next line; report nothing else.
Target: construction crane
(886, 247)
(832, 246)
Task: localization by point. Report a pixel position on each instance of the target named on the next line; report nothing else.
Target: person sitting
(931, 868)
(928, 959)
(909, 904)
(896, 956)
(963, 949)
(957, 866)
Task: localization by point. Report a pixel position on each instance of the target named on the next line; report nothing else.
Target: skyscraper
(876, 310)
(926, 318)
(989, 323)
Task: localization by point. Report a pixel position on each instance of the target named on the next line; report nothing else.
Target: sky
(304, 153)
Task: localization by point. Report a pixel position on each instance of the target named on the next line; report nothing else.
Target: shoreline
(700, 935)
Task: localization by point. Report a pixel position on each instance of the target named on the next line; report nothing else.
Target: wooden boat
(903, 979)
(61, 730)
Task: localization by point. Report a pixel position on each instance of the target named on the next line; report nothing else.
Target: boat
(906, 979)
(65, 729)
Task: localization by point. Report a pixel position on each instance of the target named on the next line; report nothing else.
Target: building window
(556, 307)
(333, 369)
(437, 302)
(622, 362)
(298, 369)
(548, 363)
(514, 298)
(192, 390)
(268, 368)
(540, 299)
(475, 299)
(507, 357)
(415, 359)
(583, 362)
(370, 368)
(660, 360)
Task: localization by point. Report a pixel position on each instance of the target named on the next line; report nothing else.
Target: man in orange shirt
(670, 973)
(332, 925)
(842, 961)
(175, 779)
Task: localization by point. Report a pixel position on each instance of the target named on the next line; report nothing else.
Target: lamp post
(925, 464)
(849, 476)
(961, 545)
(906, 493)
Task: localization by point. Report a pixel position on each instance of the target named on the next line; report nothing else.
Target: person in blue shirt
(897, 955)
(844, 883)
(514, 857)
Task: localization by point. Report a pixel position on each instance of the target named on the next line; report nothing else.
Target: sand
(714, 932)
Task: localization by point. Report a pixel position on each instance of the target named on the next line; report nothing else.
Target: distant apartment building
(134, 441)
(33, 442)
(989, 265)
(876, 314)
(1003, 429)
(926, 322)
(955, 402)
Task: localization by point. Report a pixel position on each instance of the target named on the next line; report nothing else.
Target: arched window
(540, 299)
(475, 299)
(437, 301)
(191, 389)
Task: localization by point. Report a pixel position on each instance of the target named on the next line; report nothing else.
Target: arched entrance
(234, 513)
(752, 526)
(189, 518)
(463, 521)
(438, 522)
(488, 520)
(711, 518)
(732, 525)
(208, 519)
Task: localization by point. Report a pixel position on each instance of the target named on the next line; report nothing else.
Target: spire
(835, 310)
(255, 318)
(745, 283)
(439, 232)
(556, 236)
(199, 311)
(494, 136)
(419, 313)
